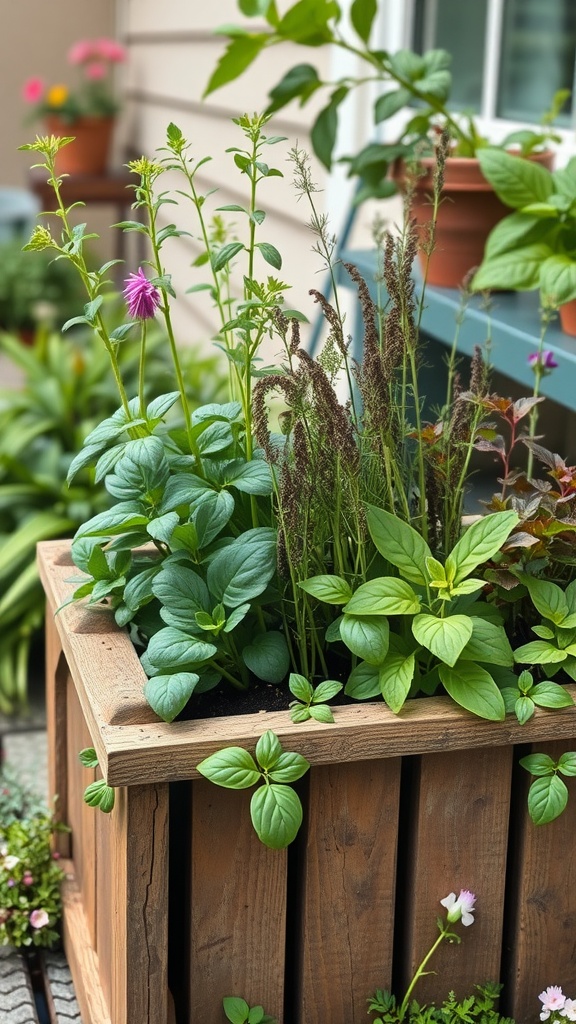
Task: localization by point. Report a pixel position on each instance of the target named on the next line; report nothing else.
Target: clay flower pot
(568, 318)
(90, 151)
(469, 210)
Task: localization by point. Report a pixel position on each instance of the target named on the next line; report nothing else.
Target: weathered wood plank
(541, 938)
(348, 874)
(81, 955)
(237, 908)
(457, 831)
(56, 690)
(81, 817)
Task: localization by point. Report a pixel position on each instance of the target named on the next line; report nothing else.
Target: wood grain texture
(81, 817)
(541, 939)
(132, 743)
(237, 908)
(347, 877)
(456, 839)
(56, 689)
(81, 955)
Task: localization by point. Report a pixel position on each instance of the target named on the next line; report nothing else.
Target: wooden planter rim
(134, 746)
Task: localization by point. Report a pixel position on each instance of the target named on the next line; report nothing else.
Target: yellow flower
(57, 95)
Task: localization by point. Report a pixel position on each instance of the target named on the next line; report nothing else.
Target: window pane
(538, 50)
(459, 27)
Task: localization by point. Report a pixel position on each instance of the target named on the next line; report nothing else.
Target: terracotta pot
(568, 317)
(89, 153)
(468, 212)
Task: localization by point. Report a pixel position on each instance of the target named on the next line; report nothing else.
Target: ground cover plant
(295, 538)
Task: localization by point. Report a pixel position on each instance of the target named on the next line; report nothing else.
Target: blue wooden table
(512, 323)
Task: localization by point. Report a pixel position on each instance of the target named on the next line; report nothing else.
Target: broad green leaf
(300, 687)
(301, 80)
(88, 758)
(171, 648)
(473, 688)
(488, 643)
(270, 254)
(324, 130)
(539, 652)
(567, 763)
(396, 679)
(558, 280)
(480, 542)
(236, 1009)
(167, 695)
(250, 477)
(446, 638)
(243, 569)
(330, 589)
(267, 656)
(232, 768)
(299, 712)
(518, 270)
(551, 695)
(390, 103)
(398, 543)
(99, 794)
(366, 636)
(385, 595)
(363, 682)
(238, 55)
(538, 764)
(268, 749)
(288, 767)
(223, 256)
(547, 798)
(518, 230)
(516, 181)
(182, 593)
(308, 22)
(524, 709)
(322, 713)
(326, 690)
(276, 814)
(548, 598)
(362, 14)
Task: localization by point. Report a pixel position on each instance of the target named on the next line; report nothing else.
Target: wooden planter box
(173, 895)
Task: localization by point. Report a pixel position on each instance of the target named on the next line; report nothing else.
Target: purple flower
(141, 297)
(543, 360)
(460, 908)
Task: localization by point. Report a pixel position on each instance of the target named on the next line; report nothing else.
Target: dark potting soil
(225, 700)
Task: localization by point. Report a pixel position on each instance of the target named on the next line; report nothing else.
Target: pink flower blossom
(27, 878)
(142, 297)
(552, 999)
(544, 360)
(39, 919)
(95, 70)
(10, 883)
(33, 90)
(110, 50)
(81, 51)
(460, 908)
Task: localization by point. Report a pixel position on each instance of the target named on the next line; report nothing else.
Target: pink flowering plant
(30, 878)
(286, 538)
(556, 1007)
(94, 61)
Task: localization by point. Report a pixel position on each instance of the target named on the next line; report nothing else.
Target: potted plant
(417, 82)
(89, 112)
(264, 553)
(534, 247)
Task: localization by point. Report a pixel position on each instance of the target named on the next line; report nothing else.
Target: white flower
(569, 1009)
(3, 849)
(552, 999)
(545, 1014)
(10, 862)
(461, 908)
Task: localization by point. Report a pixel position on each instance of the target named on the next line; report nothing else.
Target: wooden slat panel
(238, 908)
(80, 953)
(133, 912)
(542, 938)
(56, 687)
(81, 818)
(348, 878)
(460, 827)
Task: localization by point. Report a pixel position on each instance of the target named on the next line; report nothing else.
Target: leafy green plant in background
(480, 1006)
(534, 247)
(30, 878)
(421, 82)
(66, 386)
(237, 1011)
(35, 289)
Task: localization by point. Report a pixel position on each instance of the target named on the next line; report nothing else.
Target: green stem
(141, 374)
(420, 971)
